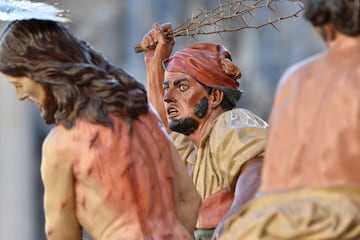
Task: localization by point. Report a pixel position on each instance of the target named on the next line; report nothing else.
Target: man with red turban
(222, 147)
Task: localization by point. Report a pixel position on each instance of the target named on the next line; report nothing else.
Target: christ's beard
(48, 115)
(188, 125)
(50, 107)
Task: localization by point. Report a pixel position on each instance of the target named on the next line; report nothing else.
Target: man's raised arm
(159, 43)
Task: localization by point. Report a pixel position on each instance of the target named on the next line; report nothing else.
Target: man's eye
(183, 87)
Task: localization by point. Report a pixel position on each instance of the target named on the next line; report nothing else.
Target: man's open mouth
(172, 112)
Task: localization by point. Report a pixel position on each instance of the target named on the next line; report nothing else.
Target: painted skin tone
(337, 67)
(86, 197)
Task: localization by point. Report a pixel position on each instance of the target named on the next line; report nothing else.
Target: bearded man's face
(186, 102)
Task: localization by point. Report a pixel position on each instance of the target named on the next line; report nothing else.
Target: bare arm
(59, 199)
(160, 44)
(246, 187)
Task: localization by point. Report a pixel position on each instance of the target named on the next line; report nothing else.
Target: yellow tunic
(322, 213)
(236, 136)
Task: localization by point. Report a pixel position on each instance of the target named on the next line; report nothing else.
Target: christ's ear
(216, 98)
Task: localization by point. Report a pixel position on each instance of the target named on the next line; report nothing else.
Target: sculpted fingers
(154, 36)
(149, 40)
(167, 32)
(158, 34)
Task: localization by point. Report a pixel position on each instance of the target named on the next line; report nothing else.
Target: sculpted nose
(168, 96)
(21, 95)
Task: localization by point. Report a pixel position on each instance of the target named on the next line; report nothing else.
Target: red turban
(203, 62)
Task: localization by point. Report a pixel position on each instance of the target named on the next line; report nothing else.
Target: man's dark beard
(184, 126)
(50, 107)
(188, 125)
(200, 109)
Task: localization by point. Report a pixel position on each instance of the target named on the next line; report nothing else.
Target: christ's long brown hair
(83, 83)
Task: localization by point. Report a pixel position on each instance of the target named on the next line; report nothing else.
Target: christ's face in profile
(37, 93)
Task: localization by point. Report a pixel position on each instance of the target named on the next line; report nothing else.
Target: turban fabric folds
(203, 62)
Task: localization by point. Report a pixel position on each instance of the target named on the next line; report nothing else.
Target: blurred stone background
(113, 27)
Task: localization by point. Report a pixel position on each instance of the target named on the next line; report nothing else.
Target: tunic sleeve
(237, 137)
